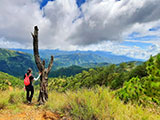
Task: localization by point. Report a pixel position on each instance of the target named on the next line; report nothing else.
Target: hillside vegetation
(114, 92)
(7, 81)
(15, 63)
(112, 76)
(69, 71)
(131, 83)
(144, 89)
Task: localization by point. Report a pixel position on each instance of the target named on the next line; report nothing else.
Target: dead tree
(43, 94)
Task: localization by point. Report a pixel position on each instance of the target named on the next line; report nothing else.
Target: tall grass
(84, 104)
(11, 99)
(97, 104)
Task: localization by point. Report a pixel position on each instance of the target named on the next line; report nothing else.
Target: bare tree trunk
(43, 94)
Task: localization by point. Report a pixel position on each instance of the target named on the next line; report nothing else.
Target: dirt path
(29, 112)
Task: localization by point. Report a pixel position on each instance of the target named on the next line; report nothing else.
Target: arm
(37, 77)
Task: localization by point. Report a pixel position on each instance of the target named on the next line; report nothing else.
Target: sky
(123, 27)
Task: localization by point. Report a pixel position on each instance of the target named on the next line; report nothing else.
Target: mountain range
(17, 61)
(101, 56)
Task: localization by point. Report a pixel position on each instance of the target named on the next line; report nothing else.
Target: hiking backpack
(27, 80)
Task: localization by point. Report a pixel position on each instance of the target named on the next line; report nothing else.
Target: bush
(145, 89)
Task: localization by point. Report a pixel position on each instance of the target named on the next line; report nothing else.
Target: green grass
(11, 99)
(97, 104)
(7, 80)
(85, 104)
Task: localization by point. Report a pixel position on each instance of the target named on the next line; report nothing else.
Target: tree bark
(43, 94)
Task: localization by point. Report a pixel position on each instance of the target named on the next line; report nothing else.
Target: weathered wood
(35, 48)
(43, 94)
(50, 64)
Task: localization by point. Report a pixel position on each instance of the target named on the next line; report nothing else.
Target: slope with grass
(85, 104)
(15, 63)
(14, 107)
(8, 82)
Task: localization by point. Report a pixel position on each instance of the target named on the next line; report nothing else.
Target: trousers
(30, 92)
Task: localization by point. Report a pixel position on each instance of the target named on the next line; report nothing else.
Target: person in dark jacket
(30, 88)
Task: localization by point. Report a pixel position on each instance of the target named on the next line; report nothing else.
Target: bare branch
(44, 63)
(50, 64)
(35, 47)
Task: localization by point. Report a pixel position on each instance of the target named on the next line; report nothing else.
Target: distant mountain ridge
(16, 61)
(102, 56)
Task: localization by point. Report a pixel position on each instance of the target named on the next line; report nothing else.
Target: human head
(29, 70)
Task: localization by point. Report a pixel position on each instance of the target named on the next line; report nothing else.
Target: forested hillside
(15, 63)
(112, 75)
(69, 71)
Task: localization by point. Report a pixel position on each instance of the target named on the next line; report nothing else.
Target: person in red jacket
(30, 88)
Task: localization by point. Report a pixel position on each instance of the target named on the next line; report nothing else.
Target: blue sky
(44, 2)
(138, 40)
(123, 27)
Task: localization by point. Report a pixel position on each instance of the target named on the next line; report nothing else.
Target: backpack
(27, 80)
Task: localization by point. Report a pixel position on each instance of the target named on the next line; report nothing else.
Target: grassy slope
(15, 63)
(84, 104)
(14, 107)
(7, 81)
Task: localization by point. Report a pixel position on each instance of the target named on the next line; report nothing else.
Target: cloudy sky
(123, 27)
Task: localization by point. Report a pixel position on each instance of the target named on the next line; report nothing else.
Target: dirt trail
(29, 112)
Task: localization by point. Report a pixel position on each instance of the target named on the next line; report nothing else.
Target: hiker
(28, 79)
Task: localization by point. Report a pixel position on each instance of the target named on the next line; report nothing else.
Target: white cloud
(60, 13)
(17, 19)
(129, 51)
(111, 20)
(105, 20)
(4, 43)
